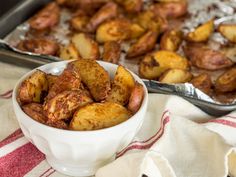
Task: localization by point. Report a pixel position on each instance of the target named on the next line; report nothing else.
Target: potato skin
(51, 80)
(156, 63)
(228, 31)
(136, 98)
(69, 52)
(64, 104)
(79, 22)
(47, 18)
(33, 89)
(206, 58)
(111, 52)
(203, 82)
(131, 6)
(227, 81)
(94, 76)
(145, 44)
(171, 40)
(99, 115)
(175, 76)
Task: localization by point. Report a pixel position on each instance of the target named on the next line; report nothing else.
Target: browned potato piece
(205, 58)
(39, 46)
(87, 47)
(145, 44)
(132, 6)
(51, 80)
(201, 33)
(47, 18)
(64, 104)
(224, 97)
(68, 80)
(99, 115)
(79, 22)
(111, 52)
(227, 81)
(175, 76)
(203, 82)
(156, 63)
(122, 86)
(94, 76)
(171, 40)
(34, 88)
(58, 124)
(136, 98)
(228, 31)
(136, 30)
(107, 12)
(69, 52)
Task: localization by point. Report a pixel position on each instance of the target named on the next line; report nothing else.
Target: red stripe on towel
(20, 161)
(224, 122)
(46, 171)
(14, 136)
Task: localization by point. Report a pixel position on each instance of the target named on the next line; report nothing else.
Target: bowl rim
(17, 107)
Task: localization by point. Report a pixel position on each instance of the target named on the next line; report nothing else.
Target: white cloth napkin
(176, 140)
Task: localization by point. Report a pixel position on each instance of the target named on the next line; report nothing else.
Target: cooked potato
(111, 52)
(87, 47)
(99, 115)
(69, 52)
(94, 76)
(34, 88)
(224, 97)
(227, 81)
(46, 18)
(156, 63)
(203, 82)
(122, 86)
(58, 124)
(107, 12)
(145, 44)
(205, 58)
(175, 76)
(64, 104)
(136, 30)
(79, 22)
(136, 98)
(51, 80)
(171, 40)
(201, 33)
(113, 30)
(131, 6)
(35, 111)
(228, 31)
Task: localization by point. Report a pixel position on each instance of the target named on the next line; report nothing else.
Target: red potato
(111, 52)
(136, 98)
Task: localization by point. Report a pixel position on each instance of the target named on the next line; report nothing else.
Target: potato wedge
(34, 88)
(145, 44)
(203, 82)
(136, 30)
(171, 40)
(107, 12)
(64, 104)
(69, 52)
(94, 76)
(51, 80)
(99, 115)
(122, 86)
(86, 46)
(175, 76)
(136, 98)
(201, 33)
(156, 63)
(111, 52)
(58, 124)
(205, 58)
(79, 22)
(131, 6)
(228, 31)
(227, 81)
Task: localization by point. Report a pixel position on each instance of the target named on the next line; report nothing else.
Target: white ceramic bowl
(78, 153)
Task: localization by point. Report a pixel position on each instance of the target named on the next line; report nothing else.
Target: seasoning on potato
(111, 52)
(175, 76)
(203, 82)
(132, 6)
(69, 52)
(171, 40)
(228, 31)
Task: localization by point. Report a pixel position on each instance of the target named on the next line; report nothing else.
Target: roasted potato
(79, 22)
(39, 46)
(122, 86)
(47, 18)
(34, 88)
(131, 6)
(52, 79)
(156, 63)
(69, 79)
(69, 52)
(94, 76)
(227, 81)
(145, 44)
(87, 47)
(111, 52)
(58, 124)
(201, 33)
(203, 82)
(228, 31)
(64, 104)
(224, 97)
(136, 30)
(175, 76)
(35, 111)
(107, 12)
(205, 58)
(99, 115)
(136, 98)
(171, 40)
